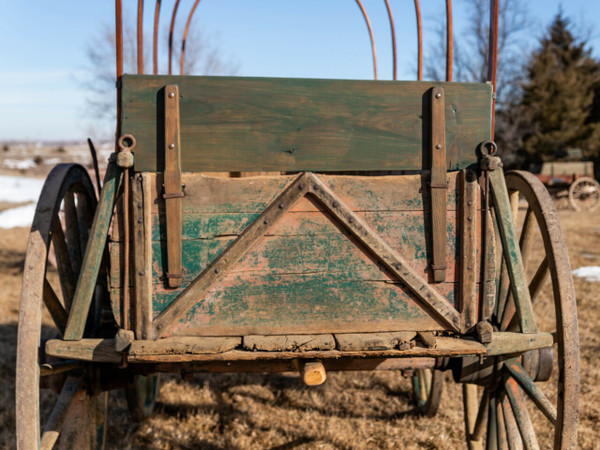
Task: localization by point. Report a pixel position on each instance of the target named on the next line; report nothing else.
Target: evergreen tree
(558, 108)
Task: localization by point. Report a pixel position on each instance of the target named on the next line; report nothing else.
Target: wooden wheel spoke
(492, 425)
(53, 427)
(63, 262)
(512, 429)
(481, 415)
(501, 426)
(525, 239)
(536, 285)
(55, 308)
(519, 407)
(72, 230)
(534, 393)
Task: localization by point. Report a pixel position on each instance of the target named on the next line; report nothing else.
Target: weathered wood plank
(142, 232)
(374, 341)
(185, 346)
(210, 194)
(470, 233)
(140, 351)
(268, 124)
(297, 342)
(311, 303)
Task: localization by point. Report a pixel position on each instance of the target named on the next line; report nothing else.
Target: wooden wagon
(573, 180)
(382, 234)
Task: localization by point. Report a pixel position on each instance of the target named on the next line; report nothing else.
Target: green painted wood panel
(280, 124)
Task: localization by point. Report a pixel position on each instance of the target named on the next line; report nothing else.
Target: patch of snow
(18, 164)
(20, 189)
(21, 216)
(588, 273)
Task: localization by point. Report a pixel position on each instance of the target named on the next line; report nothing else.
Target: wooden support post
(173, 192)
(468, 253)
(438, 184)
(313, 372)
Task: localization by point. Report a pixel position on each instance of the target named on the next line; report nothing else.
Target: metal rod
(95, 163)
(119, 44)
(171, 28)
(185, 33)
(368, 22)
(419, 40)
(449, 41)
(155, 39)
(393, 30)
(140, 37)
(493, 55)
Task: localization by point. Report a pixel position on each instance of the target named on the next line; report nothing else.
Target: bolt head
(171, 146)
(438, 95)
(171, 94)
(438, 146)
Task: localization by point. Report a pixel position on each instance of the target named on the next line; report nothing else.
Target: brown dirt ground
(351, 410)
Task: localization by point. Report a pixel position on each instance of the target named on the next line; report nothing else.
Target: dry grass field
(351, 410)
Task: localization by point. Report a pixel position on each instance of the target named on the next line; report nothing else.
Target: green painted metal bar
(512, 252)
(93, 254)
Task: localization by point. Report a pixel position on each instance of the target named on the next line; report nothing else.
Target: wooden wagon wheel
(57, 241)
(427, 385)
(584, 194)
(520, 412)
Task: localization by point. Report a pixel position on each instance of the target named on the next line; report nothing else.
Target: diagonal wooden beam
(231, 255)
(441, 307)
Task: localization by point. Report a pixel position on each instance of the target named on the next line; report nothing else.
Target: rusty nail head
(141, 273)
(438, 146)
(171, 146)
(171, 94)
(300, 186)
(438, 95)
(159, 327)
(470, 202)
(469, 218)
(281, 206)
(217, 270)
(139, 221)
(265, 221)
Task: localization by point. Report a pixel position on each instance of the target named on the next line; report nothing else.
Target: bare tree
(471, 47)
(202, 57)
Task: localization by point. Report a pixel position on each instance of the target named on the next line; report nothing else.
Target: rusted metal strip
(449, 41)
(185, 33)
(140, 37)
(468, 254)
(217, 270)
(493, 54)
(173, 190)
(438, 184)
(171, 30)
(155, 39)
(368, 22)
(393, 31)
(419, 41)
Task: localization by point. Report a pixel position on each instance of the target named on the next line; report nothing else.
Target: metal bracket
(172, 186)
(438, 184)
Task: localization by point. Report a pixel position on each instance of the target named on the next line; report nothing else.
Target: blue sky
(43, 51)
